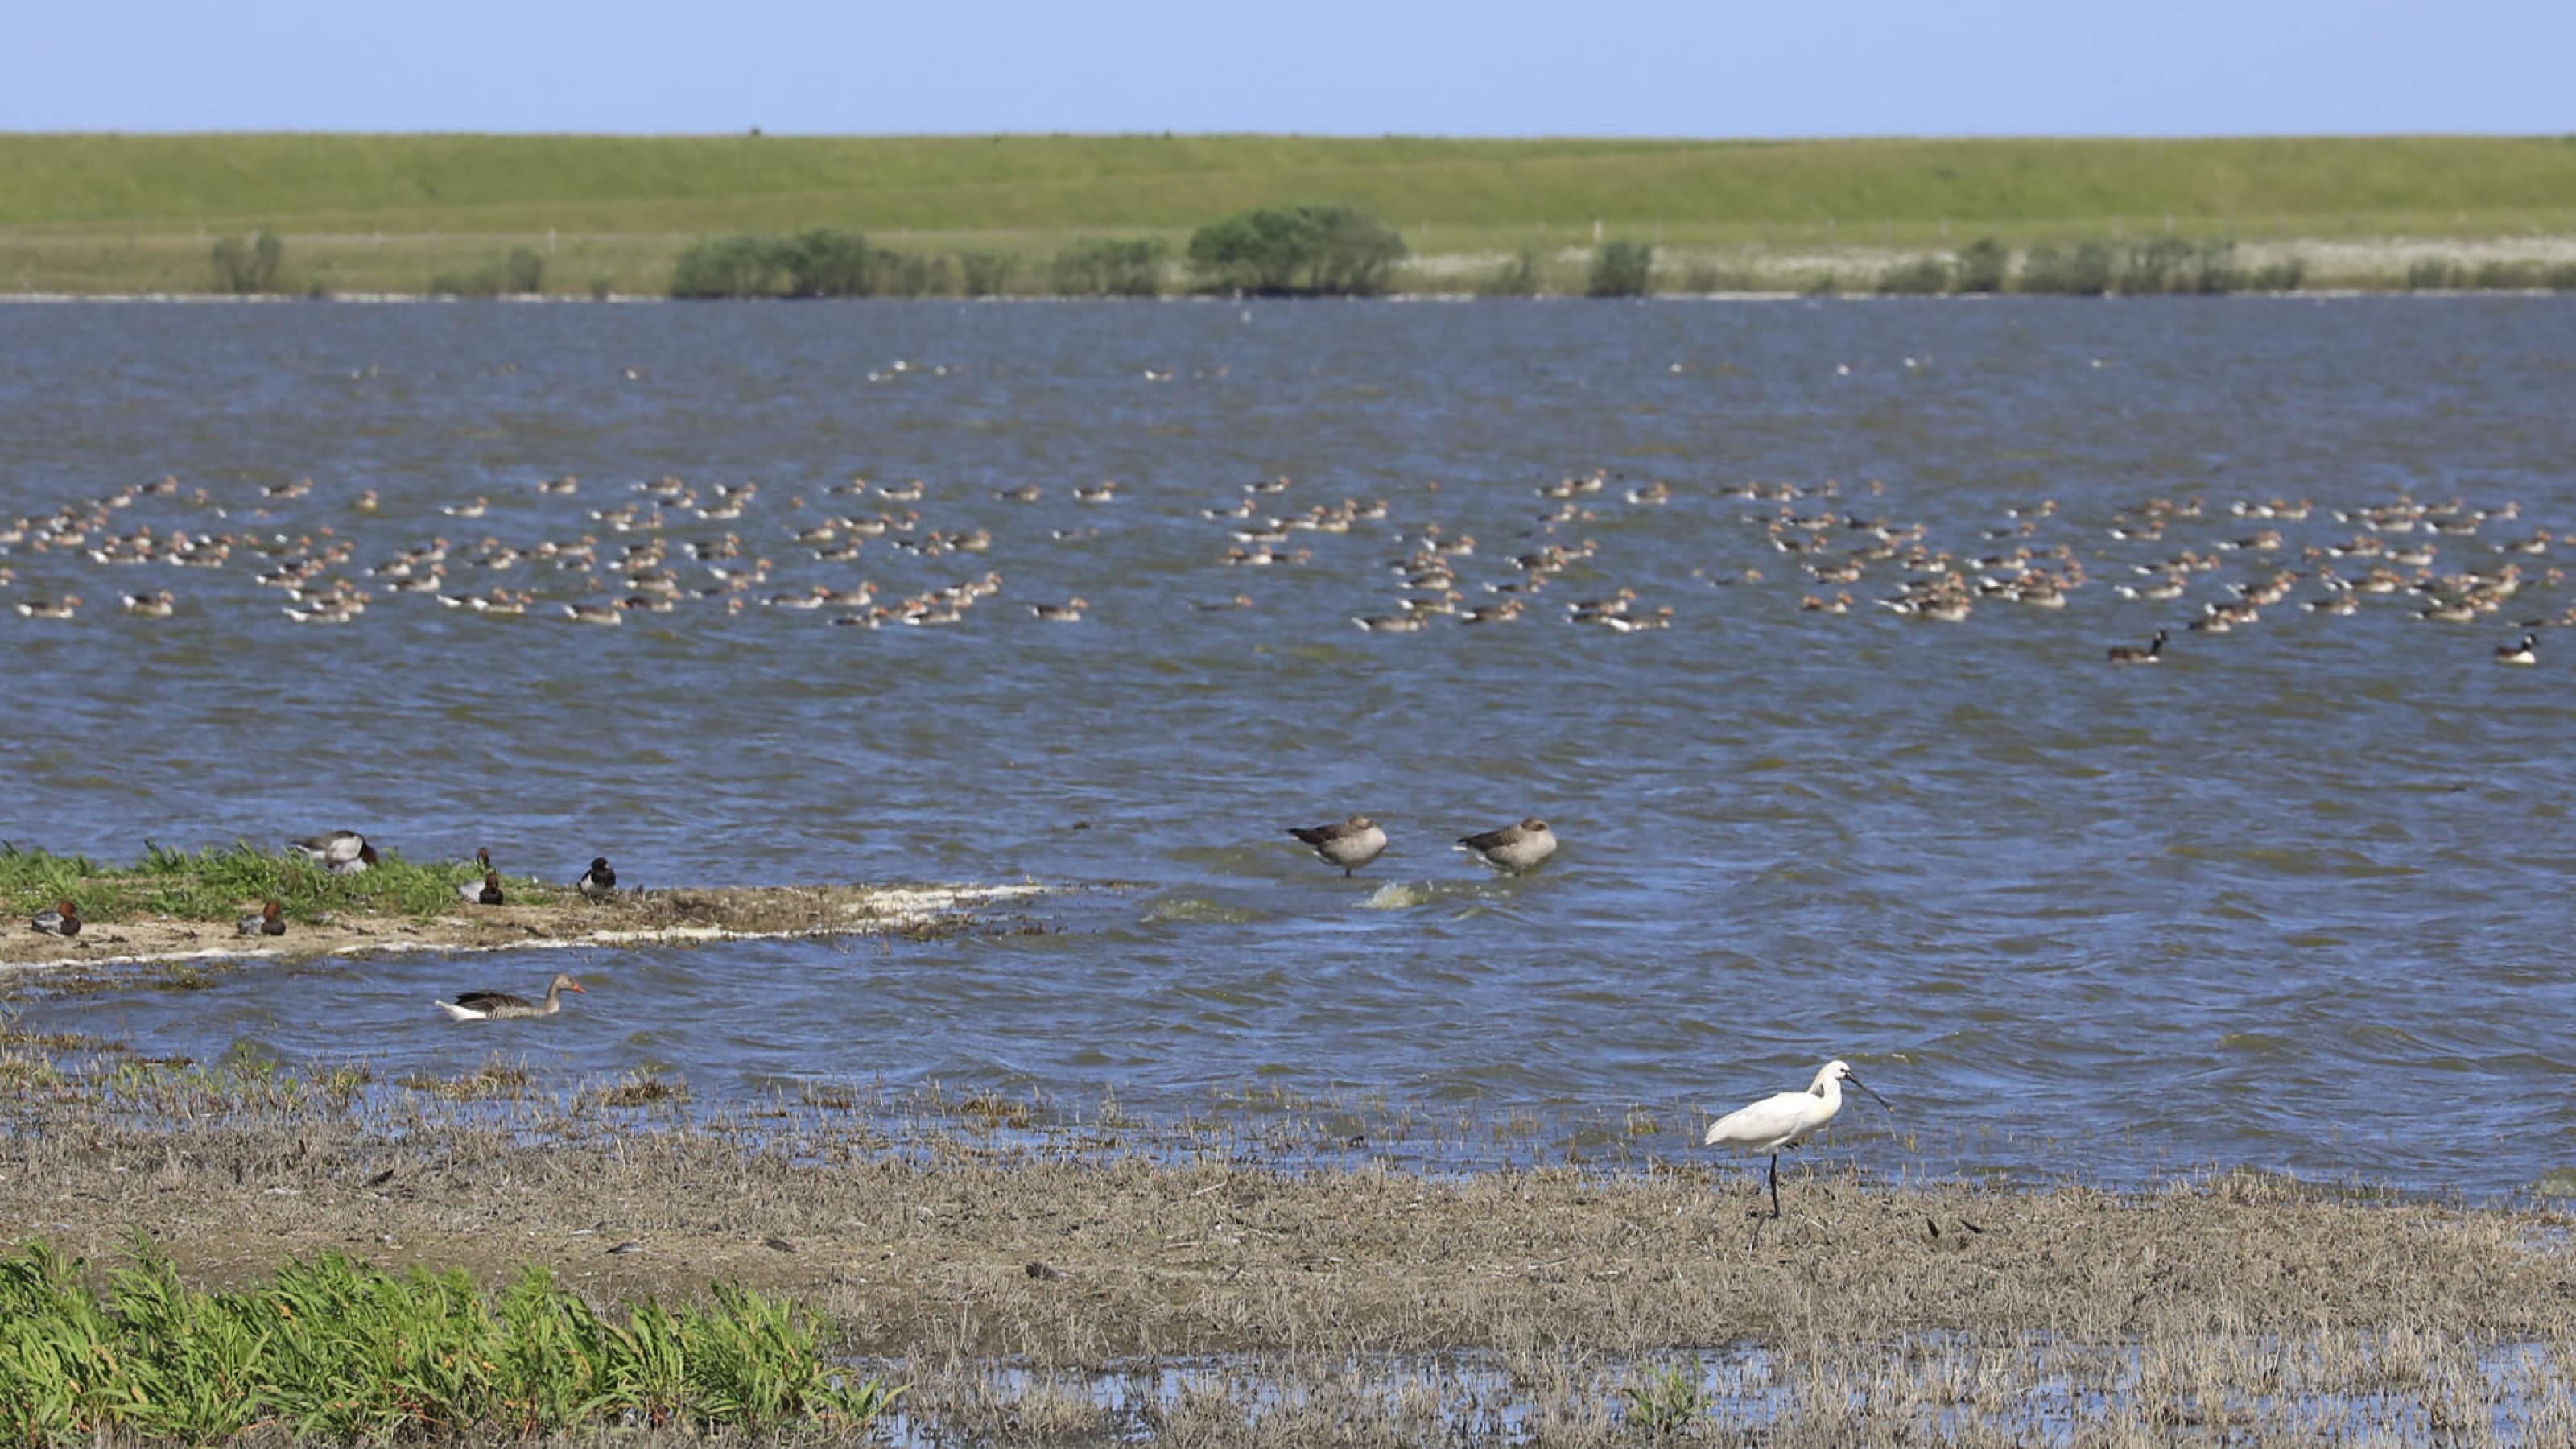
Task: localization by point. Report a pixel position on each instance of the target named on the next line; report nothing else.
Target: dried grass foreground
(1037, 1275)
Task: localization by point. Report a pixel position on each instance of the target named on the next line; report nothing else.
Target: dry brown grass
(1016, 1267)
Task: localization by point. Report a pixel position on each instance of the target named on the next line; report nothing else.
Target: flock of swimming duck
(688, 549)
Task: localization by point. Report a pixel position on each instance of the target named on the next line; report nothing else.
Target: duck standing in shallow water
(266, 922)
(1352, 844)
(503, 1006)
(1514, 849)
(598, 881)
(60, 919)
(485, 893)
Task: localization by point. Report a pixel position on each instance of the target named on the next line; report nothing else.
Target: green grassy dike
(338, 1351)
(394, 213)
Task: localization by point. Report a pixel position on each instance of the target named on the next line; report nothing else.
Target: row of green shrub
(2163, 266)
(1343, 251)
(341, 1352)
(2166, 266)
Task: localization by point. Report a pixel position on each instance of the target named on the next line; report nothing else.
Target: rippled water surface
(2293, 899)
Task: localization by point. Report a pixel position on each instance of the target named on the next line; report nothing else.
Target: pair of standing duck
(1513, 849)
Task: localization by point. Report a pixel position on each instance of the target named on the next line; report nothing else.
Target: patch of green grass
(339, 1351)
(221, 885)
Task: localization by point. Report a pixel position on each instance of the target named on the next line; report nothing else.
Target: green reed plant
(1922, 277)
(1665, 1403)
(339, 1350)
(218, 884)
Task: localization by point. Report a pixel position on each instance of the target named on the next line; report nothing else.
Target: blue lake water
(2292, 899)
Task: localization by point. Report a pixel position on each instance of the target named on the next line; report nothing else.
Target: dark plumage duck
(266, 922)
(2132, 654)
(487, 893)
(599, 880)
(62, 918)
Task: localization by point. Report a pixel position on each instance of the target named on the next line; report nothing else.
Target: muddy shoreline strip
(1002, 1262)
(659, 917)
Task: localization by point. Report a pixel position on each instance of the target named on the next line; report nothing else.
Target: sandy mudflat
(659, 917)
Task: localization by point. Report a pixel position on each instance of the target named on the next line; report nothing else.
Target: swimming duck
(42, 609)
(2525, 652)
(599, 880)
(150, 606)
(1514, 849)
(1025, 493)
(1352, 844)
(1068, 612)
(2132, 654)
(503, 1006)
(60, 919)
(595, 613)
(1107, 492)
(488, 893)
(265, 922)
(336, 848)
(1390, 623)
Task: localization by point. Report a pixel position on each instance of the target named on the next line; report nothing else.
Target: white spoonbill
(1787, 1118)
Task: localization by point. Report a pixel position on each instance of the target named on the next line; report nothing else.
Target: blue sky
(1508, 67)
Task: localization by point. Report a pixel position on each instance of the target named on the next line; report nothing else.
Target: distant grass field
(362, 212)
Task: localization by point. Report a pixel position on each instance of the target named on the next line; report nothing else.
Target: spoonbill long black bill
(1787, 1119)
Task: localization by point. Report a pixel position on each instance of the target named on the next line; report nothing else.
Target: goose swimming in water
(1352, 844)
(2132, 654)
(503, 1006)
(1514, 849)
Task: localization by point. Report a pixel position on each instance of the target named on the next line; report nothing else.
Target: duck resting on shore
(486, 892)
(599, 880)
(62, 918)
(335, 849)
(266, 922)
(504, 1006)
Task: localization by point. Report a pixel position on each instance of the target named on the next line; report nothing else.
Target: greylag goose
(1514, 849)
(1352, 844)
(503, 1006)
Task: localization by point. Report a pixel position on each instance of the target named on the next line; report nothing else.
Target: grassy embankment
(1039, 1274)
(87, 213)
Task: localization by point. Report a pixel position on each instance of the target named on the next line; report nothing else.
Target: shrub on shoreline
(1107, 268)
(248, 268)
(1620, 269)
(1337, 251)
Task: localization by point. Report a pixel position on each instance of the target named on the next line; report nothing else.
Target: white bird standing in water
(1787, 1119)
